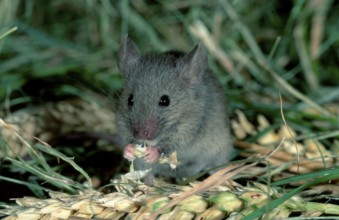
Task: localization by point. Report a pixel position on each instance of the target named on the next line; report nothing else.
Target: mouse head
(162, 92)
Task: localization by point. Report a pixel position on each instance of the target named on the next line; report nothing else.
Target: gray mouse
(172, 102)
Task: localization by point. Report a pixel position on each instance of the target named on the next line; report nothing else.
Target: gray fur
(195, 124)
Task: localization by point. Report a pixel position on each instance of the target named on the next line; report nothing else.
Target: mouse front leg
(129, 152)
(152, 154)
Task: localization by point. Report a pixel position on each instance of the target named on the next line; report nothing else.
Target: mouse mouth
(151, 142)
(147, 142)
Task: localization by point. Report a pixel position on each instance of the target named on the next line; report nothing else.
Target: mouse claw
(129, 152)
(152, 154)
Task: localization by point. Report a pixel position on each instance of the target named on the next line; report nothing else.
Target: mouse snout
(147, 130)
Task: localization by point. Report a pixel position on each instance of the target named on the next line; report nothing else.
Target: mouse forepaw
(152, 154)
(129, 152)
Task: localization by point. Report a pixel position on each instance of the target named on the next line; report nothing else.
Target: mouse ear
(128, 54)
(194, 64)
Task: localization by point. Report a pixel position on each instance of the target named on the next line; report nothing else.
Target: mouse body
(172, 102)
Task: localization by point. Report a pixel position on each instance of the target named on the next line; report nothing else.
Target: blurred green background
(62, 48)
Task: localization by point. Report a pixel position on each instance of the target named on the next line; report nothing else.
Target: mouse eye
(164, 101)
(130, 100)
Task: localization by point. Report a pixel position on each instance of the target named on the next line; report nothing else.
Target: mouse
(172, 102)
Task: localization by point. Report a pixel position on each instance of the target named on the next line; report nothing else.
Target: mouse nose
(144, 134)
(147, 131)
